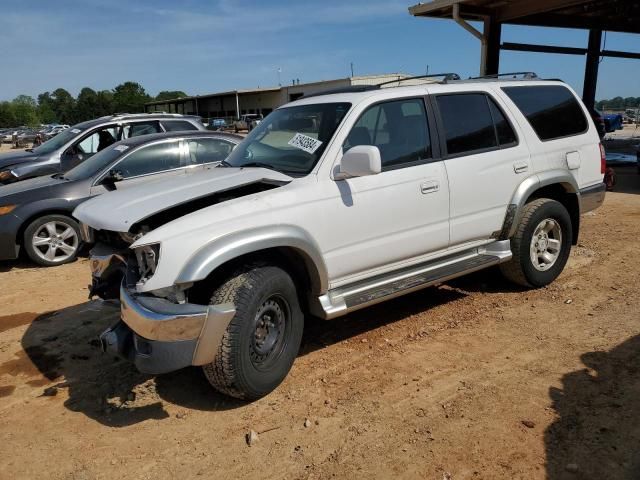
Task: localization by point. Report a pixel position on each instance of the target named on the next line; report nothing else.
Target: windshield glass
(291, 139)
(58, 141)
(96, 163)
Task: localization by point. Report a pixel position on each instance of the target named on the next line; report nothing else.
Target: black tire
(245, 366)
(62, 251)
(521, 269)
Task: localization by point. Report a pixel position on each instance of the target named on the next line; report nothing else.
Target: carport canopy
(593, 15)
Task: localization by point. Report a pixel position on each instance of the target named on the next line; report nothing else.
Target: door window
(178, 125)
(97, 141)
(140, 128)
(399, 129)
(506, 135)
(151, 159)
(208, 150)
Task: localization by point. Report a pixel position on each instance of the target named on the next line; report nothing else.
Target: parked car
(75, 145)
(247, 122)
(613, 122)
(36, 214)
(389, 190)
(598, 120)
(216, 124)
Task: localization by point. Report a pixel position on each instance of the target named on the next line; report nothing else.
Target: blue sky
(203, 46)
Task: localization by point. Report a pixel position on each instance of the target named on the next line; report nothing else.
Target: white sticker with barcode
(303, 142)
(121, 148)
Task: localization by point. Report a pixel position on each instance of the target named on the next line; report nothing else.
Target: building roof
(611, 15)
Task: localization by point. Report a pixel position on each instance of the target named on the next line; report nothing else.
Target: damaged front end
(108, 262)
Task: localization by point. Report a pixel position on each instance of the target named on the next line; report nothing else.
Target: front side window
(552, 110)
(399, 129)
(208, 150)
(97, 141)
(178, 125)
(290, 139)
(140, 128)
(467, 121)
(150, 159)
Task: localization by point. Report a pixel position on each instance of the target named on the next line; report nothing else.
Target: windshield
(96, 163)
(291, 139)
(58, 141)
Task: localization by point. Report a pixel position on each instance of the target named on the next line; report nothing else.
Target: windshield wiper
(259, 165)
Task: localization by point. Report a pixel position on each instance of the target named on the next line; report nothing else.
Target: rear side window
(151, 159)
(141, 128)
(208, 150)
(178, 126)
(552, 110)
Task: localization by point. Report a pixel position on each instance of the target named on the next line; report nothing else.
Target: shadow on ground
(597, 433)
(63, 347)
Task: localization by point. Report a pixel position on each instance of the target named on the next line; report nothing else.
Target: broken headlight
(147, 261)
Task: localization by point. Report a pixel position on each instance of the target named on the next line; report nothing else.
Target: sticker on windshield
(121, 148)
(308, 144)
(75, 130)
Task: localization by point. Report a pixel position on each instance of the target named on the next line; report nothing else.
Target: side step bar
(343, 300)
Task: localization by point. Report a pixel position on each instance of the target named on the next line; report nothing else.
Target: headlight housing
(147, 257)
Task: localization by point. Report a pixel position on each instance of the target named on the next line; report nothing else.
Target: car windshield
(291, 139)
(96, 163)
(58, 141)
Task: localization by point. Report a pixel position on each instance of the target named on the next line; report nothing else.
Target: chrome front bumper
(160, 336)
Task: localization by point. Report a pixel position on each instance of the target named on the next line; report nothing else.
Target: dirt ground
(473, 379)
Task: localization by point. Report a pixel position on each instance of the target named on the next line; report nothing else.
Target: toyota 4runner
(336, 202)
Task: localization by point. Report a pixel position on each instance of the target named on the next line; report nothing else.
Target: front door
(400, 213)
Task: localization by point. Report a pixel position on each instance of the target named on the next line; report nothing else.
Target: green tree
(129, 97)
(7, 115)
(104, 103)
(25, 110)
(170, 95)
(86, 105)
(63, 105)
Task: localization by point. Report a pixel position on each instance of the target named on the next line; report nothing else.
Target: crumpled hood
(12, 158)
(118, 210)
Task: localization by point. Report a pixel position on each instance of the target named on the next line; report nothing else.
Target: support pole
(237, 107)
(455, 14)
(493, 32)
(591, 68)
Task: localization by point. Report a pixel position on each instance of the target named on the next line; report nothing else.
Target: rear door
(485, 162)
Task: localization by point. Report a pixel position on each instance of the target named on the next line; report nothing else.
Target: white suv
(339, 201)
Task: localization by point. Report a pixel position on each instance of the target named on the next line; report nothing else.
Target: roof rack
(511, 75)
(446, 77)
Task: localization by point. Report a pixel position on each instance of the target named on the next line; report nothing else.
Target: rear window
(178, 125)
(552, 110)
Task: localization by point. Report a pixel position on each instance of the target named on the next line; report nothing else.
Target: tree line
(59, 106)
(618, 103)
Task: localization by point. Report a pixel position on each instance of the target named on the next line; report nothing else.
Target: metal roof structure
(593, 15)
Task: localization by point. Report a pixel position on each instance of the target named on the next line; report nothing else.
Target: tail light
(603, 160)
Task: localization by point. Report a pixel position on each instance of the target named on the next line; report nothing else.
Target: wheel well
(28, 220)
(569, 199)
(289, 259)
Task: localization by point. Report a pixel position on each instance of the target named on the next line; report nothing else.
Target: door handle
(429, 187)
(520, 167)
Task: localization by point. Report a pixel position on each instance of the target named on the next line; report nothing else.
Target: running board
(343, 300)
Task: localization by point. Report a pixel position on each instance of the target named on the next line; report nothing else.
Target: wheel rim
(546, 244)
(55, 242)
(269, 334)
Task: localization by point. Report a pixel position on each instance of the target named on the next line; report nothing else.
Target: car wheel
(263, 338)
(541, 245)
(52, 240)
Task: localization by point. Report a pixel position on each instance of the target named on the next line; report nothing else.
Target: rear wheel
(263, 338)
(541, 245)
(52, 240)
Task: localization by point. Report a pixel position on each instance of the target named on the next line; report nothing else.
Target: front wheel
(263, 338)
(52, 240)
(541, 245)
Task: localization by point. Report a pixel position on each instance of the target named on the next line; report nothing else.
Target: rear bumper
(159, 336)
(592, 197)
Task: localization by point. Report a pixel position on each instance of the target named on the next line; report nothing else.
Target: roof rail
(513, 75)
(445, 78)
(348, 89)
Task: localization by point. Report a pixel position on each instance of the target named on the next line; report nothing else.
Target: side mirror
(360, 161)
(113, 177)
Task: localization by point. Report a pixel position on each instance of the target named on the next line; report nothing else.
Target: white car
(339, 201)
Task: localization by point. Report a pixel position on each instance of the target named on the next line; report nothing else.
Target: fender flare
(226, 248)
(526, 188)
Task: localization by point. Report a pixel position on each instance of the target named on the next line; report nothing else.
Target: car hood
(34, 188)
(12, 158)
(119, 210)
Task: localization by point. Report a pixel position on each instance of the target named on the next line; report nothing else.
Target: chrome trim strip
(592, 197)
